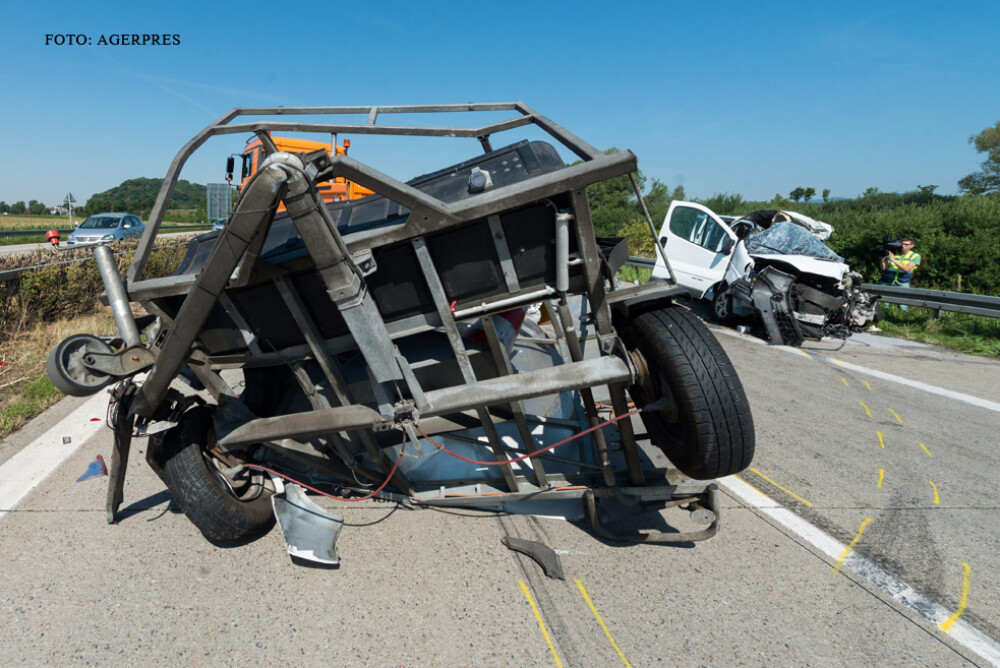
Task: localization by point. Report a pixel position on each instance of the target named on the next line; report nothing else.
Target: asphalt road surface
(866, 527)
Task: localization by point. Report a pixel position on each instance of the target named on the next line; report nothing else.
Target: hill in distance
(138, 196)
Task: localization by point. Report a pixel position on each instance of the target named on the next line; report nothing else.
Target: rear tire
(225, 509)
(705, 427)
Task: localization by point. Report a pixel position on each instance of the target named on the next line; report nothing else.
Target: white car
(770, 264)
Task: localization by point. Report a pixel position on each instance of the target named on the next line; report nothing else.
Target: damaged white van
(770, 264)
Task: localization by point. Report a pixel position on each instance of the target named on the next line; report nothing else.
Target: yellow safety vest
(900, 276)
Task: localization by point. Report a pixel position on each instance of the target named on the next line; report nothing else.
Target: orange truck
(338, 190)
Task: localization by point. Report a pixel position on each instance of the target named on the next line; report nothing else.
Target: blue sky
(749, 98)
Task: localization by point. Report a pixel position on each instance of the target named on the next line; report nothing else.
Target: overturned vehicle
(374, 345)
(771, 265)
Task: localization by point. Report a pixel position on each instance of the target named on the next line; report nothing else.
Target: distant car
(219, 223)
(771, 265)
(106, 228)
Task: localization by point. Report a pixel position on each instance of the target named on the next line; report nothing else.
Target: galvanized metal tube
(562, 251)
(502, 304)
(116, 296)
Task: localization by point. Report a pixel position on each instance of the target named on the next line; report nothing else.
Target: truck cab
(338, 190)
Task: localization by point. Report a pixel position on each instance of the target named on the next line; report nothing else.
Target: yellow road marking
(946, 624)
(866, 384)
(803, 352)
(865, 406)
(780, 487)
(837, 361)
(881, 475)
(937, 499)
(898, 419)
(601, 622)
(541, 624)
(847, 550)
(880, 441)
(926, 450)
(845, 381)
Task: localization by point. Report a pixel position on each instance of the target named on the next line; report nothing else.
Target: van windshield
(789, 239)
(100, 223)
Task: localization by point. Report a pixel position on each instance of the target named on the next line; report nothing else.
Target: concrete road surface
(900, 480)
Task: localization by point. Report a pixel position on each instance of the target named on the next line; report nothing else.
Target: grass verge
(969, 334)
(25, 390)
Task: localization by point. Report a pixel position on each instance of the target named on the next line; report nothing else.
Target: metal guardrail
(641, 262)
(41, 233)
(29, 233)
(936, 300)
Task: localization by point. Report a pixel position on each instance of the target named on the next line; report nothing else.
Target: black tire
(705, 427)
(722, 306)
(66, 370)
(225, 510)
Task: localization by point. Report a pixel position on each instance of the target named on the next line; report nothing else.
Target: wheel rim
(721, 306)
(68, 365)
(239, 482)
(651, 387)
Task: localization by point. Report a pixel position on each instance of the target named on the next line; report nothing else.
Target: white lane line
(915, 384)
(24, 471)
(963, 633)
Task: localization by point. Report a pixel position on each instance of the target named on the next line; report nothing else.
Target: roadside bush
(69, 284)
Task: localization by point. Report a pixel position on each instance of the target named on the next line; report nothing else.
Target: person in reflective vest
(898, 269)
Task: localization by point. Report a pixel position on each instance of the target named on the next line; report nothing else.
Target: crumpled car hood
(793, 244)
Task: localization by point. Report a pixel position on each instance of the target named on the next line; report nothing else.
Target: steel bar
(627, 434)
(652, 228)
(592, 269)
(495, 391)
(587, 395)
(503, 253)
(433, 282)
(342, 279)
(371, 129)
(516, 408)
(331, 369)
(233, 240)
(117, 297)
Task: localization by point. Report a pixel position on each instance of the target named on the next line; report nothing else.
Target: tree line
(32, 208)
(958, 236)
(135, 196)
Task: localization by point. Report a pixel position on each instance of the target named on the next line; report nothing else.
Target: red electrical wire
(334, 496)
(536, 452)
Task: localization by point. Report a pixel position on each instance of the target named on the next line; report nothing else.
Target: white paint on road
(908, 382)
(961, 632)
(917, 385)
(24, 471)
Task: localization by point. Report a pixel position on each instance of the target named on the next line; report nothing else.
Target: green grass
(17, 241)
(969, 334)
(634, 274)
(33, 399)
